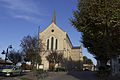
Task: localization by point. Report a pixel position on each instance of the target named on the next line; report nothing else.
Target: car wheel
(11, 74)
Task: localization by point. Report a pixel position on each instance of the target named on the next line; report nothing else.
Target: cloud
(29, 18)
(24, 9)
(27, 6)
(23, 16)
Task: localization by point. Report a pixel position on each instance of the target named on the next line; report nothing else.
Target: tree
(15, 56)
(98, 20)
(55, 58)
(86, 60)
(31, 47)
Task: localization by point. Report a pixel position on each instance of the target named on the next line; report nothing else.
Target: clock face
(52, 30)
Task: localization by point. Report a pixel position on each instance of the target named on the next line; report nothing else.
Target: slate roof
(76, 47)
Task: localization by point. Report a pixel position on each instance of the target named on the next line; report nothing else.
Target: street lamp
(6, 53)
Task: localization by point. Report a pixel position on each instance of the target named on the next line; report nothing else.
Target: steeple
(54, 18)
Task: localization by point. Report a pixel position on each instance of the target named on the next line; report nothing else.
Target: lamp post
(6, 53)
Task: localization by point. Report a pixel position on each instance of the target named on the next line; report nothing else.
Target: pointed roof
(54, 18)
(76, 47)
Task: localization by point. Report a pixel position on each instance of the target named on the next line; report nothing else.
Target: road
(74, 75)
(84, 75)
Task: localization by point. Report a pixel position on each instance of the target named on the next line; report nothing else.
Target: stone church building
(55, 39)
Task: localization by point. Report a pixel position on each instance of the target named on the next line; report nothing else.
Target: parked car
(10, 70)
(86, 70)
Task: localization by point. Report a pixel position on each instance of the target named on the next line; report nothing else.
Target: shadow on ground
(83, 75)
(3, 77)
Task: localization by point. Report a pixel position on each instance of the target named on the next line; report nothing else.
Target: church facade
(55, 39)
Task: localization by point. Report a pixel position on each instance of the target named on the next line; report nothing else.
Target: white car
(10, 70)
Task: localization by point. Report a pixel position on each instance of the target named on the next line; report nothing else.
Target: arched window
(48, 44)
(52, 43)
(56, 44)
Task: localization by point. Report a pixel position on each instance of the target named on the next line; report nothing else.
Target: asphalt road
(74, 75)
(9, 78)
(84, 75)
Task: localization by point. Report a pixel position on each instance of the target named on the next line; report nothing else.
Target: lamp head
(3, 52)
(10, 46)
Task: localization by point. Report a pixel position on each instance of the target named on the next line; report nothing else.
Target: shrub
(60, 69)
(26, 66)
(102, 68)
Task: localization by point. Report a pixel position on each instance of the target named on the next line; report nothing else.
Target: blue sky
(19, 18)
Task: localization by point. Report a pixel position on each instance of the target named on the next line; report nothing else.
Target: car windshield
(8, 67)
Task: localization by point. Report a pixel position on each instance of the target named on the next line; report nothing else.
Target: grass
(25, 79)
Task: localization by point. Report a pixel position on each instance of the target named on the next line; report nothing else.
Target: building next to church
(55, 39)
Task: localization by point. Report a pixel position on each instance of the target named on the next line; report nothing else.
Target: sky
(19, 18)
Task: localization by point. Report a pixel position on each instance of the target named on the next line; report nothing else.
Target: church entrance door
(51, 65)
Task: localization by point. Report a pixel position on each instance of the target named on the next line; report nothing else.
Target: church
(55, 39)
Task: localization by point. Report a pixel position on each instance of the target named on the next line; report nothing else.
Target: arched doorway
(51, 65)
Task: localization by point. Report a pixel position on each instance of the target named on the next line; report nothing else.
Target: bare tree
(31, 47)
(15, 56)
(55, 58)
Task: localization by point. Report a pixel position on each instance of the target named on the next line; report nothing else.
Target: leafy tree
(31, 47)
(99, 22)
(86, 60)
(15, 56)
(55, 58)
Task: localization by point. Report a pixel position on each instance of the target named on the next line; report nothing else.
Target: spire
(66, 29)
(54, 18)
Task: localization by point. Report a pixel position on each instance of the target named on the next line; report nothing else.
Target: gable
(52, 29)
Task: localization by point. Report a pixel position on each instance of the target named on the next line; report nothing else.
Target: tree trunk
(103, 64)
(113, 65)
